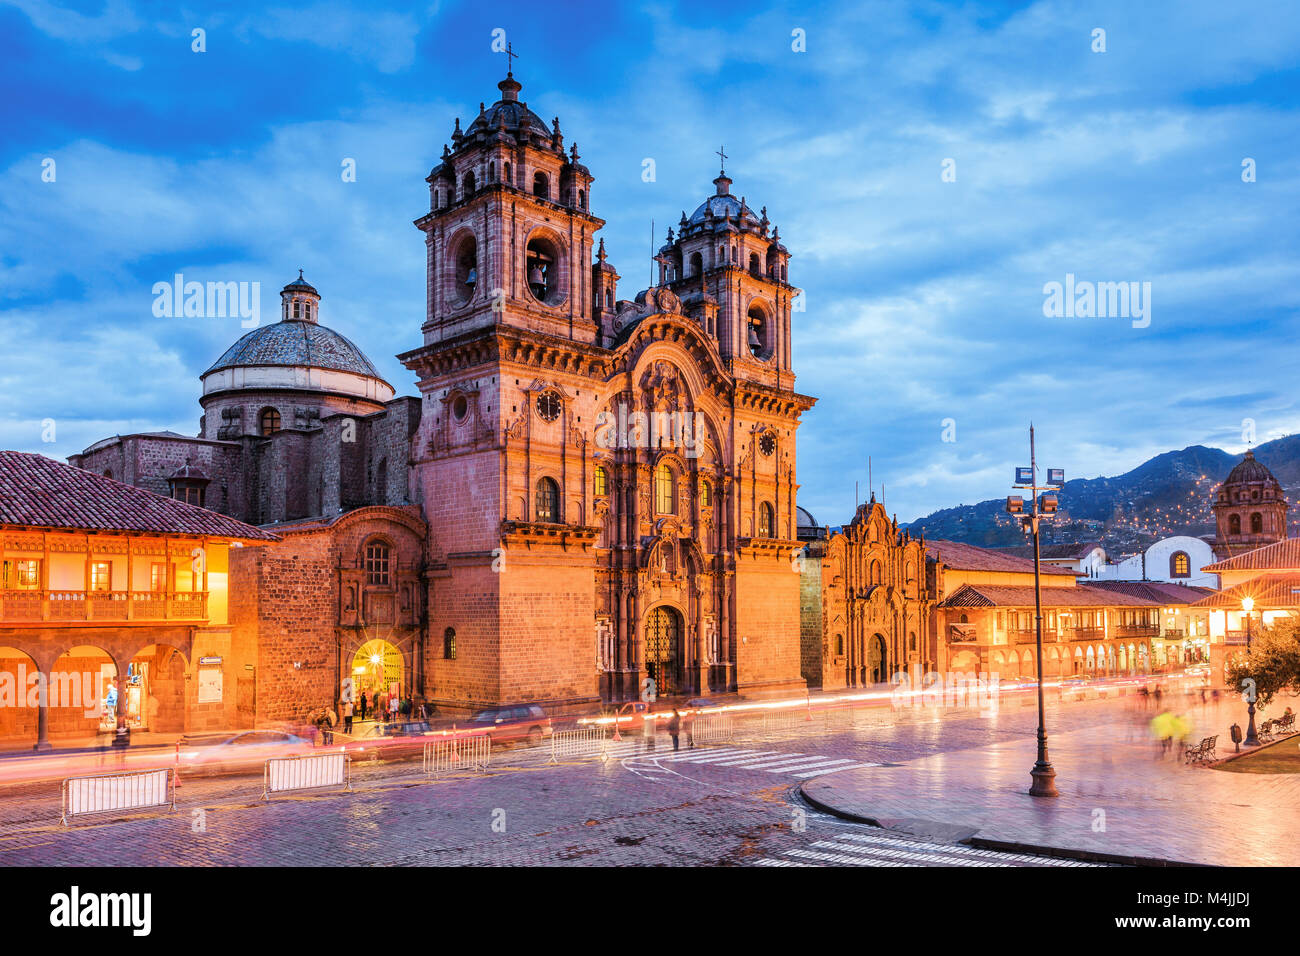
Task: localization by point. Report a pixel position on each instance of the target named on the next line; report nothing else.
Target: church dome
(1249, 470)
(720, 206)
(296, 342)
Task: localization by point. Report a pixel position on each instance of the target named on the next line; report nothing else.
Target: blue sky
(924, 297)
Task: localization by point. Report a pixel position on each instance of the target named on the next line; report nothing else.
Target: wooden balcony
(22, 607)
(1138, 630)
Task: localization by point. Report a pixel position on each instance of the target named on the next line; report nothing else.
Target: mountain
(1168, 494)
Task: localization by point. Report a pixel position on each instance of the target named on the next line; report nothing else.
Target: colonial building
(866, 600)
(1249, 509)
(589, 491)
(103, 585)
(985, 619)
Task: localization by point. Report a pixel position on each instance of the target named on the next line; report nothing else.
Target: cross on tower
(722, 154)
(510, 58)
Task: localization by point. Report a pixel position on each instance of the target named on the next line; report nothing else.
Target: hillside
(1168, 494)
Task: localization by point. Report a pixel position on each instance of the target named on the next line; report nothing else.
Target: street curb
(1067, 853)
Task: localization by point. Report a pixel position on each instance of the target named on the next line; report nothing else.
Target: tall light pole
(1044, 775)
(1248, 605)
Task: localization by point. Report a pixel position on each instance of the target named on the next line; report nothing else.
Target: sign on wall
(210, 685)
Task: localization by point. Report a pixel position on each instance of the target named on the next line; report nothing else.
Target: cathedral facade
(589, 493)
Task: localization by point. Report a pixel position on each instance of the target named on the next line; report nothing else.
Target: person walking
(393, 705)
(362, 704)
(688, 724)
(347, 717)
(674, 726)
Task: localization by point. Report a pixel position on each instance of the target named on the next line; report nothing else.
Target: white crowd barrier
(471, 753)
(583, 742)
(105, 793)
(310, 772)
(710, 729)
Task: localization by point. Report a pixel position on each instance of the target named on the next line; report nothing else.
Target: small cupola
(299, 301)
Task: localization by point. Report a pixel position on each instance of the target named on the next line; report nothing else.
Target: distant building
(1179, 559)
(1085, 560)
(865, 601)
(1249, 509)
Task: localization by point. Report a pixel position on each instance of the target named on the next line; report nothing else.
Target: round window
(548, 406)
(460, 408)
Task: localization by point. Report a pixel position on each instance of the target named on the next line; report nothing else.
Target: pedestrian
(363, 705)
(688, 722)
(674, 726)
(347, 716)
(392, 706)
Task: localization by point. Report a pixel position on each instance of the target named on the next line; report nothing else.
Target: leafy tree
(1273, 663)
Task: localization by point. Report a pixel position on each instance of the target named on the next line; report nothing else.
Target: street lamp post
(1248, 605)
(1043, 774)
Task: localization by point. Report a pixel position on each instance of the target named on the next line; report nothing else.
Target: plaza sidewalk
(1118, 796)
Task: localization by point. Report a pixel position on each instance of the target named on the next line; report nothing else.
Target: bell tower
(728, 265)
(509, 234)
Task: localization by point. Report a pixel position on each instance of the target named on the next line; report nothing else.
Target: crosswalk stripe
(727, 759)
(840, 858)
(966, 851)
(806, 764)
(724, 753)
(851, 766)
(771, 756)
(923, 856)
(768, 861)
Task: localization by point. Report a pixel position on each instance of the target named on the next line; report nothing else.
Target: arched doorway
(878, 660)
(18, 721)
(377, 667)
(156, 690)
(83, 688)
(663, 643)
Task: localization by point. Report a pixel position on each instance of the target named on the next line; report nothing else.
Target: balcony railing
(25, 607)
(1138, 630)
(1086, 634)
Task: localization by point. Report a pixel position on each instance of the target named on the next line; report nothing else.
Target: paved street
(732, 803)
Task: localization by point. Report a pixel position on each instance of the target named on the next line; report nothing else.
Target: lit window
(377, 563)
(24, 575)
(706, 494)
(767, 521)
(548, 501)
(664, 490)
(270, 421)
(158, 576)
(1180, 565)
(449, 644)
(602, 481)
(101, 576)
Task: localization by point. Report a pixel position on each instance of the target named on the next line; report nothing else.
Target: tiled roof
(1056, 551)
(294, 342)
(38, 492)
(1268, 590)
(967, 557)
(979, 595)
(1283, 555)
(1155, 592)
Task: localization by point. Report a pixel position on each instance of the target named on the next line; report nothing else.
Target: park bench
(1265, 732)
(1205, 750)
(1285, 723)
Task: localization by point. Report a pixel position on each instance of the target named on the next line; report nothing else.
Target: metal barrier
(104, 793)
(458, 753)
(309, 772)
(583, 742)
(711, 728)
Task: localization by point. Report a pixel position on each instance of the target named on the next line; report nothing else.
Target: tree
(1273, 664)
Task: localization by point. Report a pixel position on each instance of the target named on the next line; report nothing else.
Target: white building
(1178, 559)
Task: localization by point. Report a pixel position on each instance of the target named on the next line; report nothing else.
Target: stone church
(589, 491)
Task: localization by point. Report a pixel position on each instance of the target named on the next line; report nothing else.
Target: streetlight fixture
(1044, 775)
(1248, 605)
